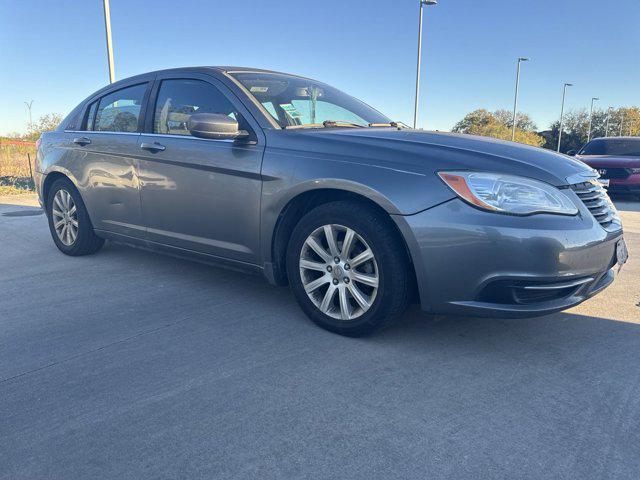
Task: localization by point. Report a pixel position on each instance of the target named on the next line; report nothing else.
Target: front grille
(595, 198)
(614, 172)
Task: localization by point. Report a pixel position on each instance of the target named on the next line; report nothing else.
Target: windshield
(623, 147)
(296, 102)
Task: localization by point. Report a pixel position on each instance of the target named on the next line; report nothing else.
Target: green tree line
(499, 124)
(623, 121)
(45, 123)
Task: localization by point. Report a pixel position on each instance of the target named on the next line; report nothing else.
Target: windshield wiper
(340, 123)
(304, 125)
(326, 124)
(398, 125)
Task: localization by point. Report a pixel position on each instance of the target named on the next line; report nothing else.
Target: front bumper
(471, 262)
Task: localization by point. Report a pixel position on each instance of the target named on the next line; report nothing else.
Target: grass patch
(16, 185)
(15, 176)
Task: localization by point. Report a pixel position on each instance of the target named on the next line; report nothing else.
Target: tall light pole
(415, 109)
(515, 100)
(621, 124)
(606, 131)
(107, 28)
(28, 104)
(564, 94)
(591, 118)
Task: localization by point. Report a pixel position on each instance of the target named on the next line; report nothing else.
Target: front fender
(288, 174)
(337, 184)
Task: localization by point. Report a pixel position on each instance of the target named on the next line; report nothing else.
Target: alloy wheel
(339, 272)
(65, 217)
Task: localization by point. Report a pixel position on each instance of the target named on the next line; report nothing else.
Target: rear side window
(91, 115)
(179, 99)
(119, 111)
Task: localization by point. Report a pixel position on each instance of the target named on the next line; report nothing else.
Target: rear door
(105, 166)
(199, 194)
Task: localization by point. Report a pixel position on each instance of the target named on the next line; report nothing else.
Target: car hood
(609, 161)
(426, 152)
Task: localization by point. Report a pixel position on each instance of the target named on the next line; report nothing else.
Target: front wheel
(347, 268)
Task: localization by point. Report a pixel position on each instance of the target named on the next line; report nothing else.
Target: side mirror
(572, 153)
(215, 126)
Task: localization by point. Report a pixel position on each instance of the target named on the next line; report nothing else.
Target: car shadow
(561, 330)
(415, 330)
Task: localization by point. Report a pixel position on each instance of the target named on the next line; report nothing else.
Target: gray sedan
(289, 177)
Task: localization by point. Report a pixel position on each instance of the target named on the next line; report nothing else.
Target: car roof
(204, 69)
(145, 77)
(627, 137)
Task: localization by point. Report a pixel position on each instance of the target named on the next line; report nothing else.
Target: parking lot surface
(130, 365)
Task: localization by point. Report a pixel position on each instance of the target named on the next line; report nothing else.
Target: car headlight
(508, 194)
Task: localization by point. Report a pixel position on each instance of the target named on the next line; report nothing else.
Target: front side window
(300, 102)
(179, 99)
(119, 111)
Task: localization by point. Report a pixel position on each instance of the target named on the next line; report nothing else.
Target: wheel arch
(56, 174)
(302, 203)
(51, 177)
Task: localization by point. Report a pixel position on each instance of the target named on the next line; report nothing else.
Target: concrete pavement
(131, 365)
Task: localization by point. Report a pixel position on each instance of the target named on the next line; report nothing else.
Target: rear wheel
(348, 268)
(69, 222)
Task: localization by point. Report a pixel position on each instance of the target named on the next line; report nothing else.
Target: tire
(335, 290)
(62, 227)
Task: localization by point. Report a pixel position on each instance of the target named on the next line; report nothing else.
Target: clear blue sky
(54, 51)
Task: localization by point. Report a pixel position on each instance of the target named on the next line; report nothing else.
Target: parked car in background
(287, 176)
(617, 160)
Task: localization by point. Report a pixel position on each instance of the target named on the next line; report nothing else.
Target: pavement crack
(94, 350)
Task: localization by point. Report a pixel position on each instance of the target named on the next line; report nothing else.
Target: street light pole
(564, 94)
(28, 104)
(606, 131)
(515, 100)
(591, 118)
(415, 109)
(107, 28)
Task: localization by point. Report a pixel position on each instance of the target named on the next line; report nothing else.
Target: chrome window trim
(86, 132)
(191, 137)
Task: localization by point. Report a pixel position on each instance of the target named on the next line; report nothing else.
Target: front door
(199, 194)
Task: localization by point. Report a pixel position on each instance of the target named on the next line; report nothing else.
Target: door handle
(82, 141)
(152, 147)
